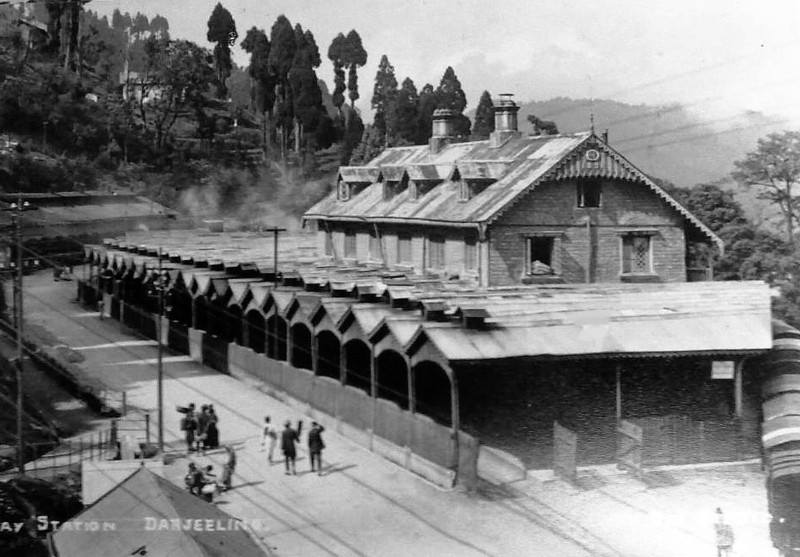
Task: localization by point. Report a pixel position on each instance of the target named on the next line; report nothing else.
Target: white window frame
(580, 195)
(555, 263)
(464, 192)
(343, 191)
(650, 259)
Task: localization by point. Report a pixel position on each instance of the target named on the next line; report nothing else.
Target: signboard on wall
(722, 369)
(565, 448)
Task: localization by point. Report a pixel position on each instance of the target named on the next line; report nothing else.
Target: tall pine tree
(281, 58)
(450, 95)
(305, 92)
(262, 89)
(427, 104)
(222, 32)
(355, 57)
(336, 54)
(404, 115)
(383, 97)
(484, 117)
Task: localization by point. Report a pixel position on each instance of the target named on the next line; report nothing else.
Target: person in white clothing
(271, 435)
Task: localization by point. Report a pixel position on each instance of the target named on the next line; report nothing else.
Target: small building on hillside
(509, 210)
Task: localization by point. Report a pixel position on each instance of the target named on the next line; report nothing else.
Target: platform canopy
(703, 318)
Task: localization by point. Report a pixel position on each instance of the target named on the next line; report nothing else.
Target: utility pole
(160, 289)
(17, 209)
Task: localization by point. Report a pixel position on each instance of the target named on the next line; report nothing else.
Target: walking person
(724, 533)
(289, 437)
(315, 446)
(271, 435)
(202, 426)
(230, 467)
(189, 428)
(212, 430)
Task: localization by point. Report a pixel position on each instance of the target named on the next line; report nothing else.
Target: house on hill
(512, 209)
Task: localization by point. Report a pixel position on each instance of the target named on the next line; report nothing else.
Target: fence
(681, 440)
(53, 459)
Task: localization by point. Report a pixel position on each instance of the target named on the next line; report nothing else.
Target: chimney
(605, 137)
(505, 121)
(442, 129)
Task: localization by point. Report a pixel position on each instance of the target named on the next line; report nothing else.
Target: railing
(54, 459)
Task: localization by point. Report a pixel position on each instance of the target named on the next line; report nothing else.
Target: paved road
(364, 505)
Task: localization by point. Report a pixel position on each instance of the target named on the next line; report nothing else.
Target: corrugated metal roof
(531, 321)
(685, 318)
(516, 166)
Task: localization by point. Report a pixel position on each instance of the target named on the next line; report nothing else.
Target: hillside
(669, 142)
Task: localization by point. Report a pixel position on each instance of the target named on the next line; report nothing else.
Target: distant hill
(668, 142)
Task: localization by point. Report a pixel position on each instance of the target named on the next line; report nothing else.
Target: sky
(718, 57)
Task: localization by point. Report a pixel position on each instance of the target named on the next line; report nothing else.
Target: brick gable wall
(553, 207)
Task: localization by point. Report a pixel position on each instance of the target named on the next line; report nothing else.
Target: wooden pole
(737, 388)
(618, 391)
(160, 287)
(20, 326)
(588, 273)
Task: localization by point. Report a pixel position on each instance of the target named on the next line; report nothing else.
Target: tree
(262, 92)
(305, 92)
(140, 26)
(774, 168)
(406, 106)
(450, 95)
(222, 32)
(281, 57)
(427, 104)
(354, 57)
(180, 73)
(336, 54)
(383, 96)
(484, 117)
(119, 21)
(159, 27)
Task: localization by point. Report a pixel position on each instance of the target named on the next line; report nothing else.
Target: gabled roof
(142, 496)
(515, 168)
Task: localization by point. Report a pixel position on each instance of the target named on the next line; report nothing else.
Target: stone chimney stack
(442, 129)
(505, 121)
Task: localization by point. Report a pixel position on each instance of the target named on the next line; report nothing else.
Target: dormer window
(413, 191)
(343, 191)
(393, 187)
(463, 191)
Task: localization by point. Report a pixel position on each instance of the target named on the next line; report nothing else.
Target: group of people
(201, 429)
(289, 438)
(203, 482)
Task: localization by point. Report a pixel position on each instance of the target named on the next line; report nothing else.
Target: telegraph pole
(160, 288)
(17, 215)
